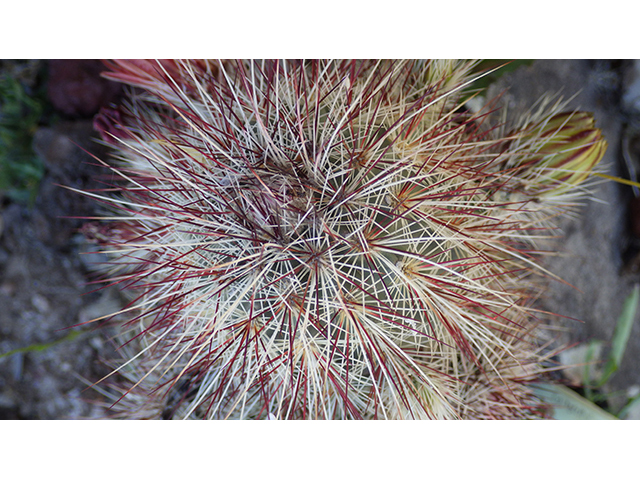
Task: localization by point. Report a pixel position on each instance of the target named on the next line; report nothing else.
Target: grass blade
(621, 334)
(568, 405)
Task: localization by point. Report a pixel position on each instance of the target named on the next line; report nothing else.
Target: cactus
(330, 239)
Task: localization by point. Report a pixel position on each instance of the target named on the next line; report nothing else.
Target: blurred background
(48, 358)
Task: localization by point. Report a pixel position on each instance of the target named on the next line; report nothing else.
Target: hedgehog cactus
(331, 239)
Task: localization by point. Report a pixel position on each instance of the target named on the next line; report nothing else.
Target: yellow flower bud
(559, 153)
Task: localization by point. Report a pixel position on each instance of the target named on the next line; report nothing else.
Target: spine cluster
(330, 239)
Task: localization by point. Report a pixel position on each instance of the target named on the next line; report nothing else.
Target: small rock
(631, 96)
(53, 147)
(40, 303)
(16, 364)
(576, 360)
(8, 288)
(76, 88)
(96, 343)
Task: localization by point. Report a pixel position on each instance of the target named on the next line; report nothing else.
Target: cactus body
(330, 240)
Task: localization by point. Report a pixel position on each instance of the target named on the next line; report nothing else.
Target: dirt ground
(44, 274)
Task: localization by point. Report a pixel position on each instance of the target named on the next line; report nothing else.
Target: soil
(45, 267)
(44, 283)
(44, 290)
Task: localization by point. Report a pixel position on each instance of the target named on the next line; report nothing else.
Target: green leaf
(621, 334)
(20, 168)
(568, 405)
(631, 404)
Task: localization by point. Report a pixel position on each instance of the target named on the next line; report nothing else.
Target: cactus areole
(330, 239)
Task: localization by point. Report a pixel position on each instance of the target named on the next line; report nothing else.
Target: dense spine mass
(331, 239)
